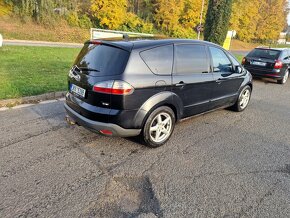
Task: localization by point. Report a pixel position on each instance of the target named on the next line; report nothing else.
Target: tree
(110, 14)
(217, 20)
(167, 14)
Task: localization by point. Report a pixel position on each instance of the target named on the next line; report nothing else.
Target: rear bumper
(98, 126)
(274, 74)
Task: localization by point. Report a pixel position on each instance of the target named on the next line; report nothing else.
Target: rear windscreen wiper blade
(88, 69)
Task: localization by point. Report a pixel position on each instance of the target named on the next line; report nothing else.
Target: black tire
(285, 78)
(237, 106)
(151, 122)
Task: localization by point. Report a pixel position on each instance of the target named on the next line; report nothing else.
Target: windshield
(265, 53)
(102, 59)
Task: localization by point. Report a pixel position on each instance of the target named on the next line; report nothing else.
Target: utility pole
(200, 20)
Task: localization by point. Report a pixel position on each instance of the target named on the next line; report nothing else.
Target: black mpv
(271, 63)
(131, 88)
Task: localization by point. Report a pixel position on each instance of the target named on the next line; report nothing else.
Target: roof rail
(107, 34)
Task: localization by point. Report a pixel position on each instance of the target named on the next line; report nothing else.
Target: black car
(131, 88)
(268, 63)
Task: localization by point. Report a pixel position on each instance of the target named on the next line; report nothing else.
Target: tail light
(278, 64)
(244, 61)
(115, 87)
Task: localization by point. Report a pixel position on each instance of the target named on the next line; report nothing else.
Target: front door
(227, 80)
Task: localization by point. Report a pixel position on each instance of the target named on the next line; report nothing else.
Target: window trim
(175, 58)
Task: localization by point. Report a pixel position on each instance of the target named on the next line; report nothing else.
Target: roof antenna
(125, 37)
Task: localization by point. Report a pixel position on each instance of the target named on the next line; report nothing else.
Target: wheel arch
(168, 99)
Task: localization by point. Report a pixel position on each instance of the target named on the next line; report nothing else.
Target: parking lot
(221, 164)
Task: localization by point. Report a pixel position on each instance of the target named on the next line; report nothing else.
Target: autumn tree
(109, 13)
(167, 14)
(217, 20)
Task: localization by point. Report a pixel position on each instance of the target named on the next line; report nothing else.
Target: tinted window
(104, 60)
(221, 62)
(284, 56)
(191, 59)
(159, 60)
(264, 53)
(233, 59)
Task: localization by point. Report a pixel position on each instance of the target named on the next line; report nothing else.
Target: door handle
(181, 83)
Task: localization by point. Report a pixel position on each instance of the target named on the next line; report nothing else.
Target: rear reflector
(106, 132)
(278, 64)
(115, 87)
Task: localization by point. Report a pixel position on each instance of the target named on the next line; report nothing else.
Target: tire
(285, 78)
(156, 132)
(243, 99)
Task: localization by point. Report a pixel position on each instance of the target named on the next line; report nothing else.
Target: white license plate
(78, 90)
(258, 63)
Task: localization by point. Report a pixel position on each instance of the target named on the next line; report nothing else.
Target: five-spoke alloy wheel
(243, 99)
(158, 127)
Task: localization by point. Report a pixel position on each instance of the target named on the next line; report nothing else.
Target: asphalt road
(222, 164)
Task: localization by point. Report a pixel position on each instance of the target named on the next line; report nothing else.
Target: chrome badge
(74, 73)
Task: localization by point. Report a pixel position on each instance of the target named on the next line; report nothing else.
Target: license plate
(78, 90)
(258, 63)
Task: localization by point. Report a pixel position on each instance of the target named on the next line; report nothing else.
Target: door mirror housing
(238, 69)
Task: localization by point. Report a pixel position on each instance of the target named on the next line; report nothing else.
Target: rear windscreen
(102, 59)
(265, 53)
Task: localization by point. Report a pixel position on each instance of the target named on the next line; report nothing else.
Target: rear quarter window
(103, 59)
(159, 59)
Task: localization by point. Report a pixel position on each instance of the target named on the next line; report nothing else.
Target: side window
(191, 59)
(234, 60)
(285, 56)
(159, 59)
(221, 62)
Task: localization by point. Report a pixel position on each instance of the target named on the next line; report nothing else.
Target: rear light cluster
(115, 87)
(278, 64)
(244, 61)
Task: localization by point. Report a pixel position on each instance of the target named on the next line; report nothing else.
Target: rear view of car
(268, 63)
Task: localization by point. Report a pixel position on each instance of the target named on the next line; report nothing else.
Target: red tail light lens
(115, 87)
(278, 64)
(244, 61)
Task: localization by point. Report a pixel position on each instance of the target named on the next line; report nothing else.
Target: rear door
(192, 80)
(227, 81)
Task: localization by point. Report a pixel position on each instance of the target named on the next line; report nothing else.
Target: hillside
(12, 28)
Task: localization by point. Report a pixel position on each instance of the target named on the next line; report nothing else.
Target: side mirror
(238, 69)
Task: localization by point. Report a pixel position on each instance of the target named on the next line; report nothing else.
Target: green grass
(26, 71)
(239, 57)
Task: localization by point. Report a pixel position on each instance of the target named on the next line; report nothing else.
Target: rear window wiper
(88, 69)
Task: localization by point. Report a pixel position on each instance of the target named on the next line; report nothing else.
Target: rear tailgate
(97, 62)
(262, 60)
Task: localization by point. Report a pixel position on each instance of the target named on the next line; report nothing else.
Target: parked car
(131, 88)
(268, 63)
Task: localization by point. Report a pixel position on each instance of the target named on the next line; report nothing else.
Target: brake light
(115, 87)
(96, 42)
(278, 64)
(244, 61)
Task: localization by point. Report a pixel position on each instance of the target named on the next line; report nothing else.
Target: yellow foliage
(4, 8)
(258, 19)
(109, 13)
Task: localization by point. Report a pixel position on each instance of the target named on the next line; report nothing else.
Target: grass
(26, 71)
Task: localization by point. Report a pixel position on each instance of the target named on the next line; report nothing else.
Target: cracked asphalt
(221, 164)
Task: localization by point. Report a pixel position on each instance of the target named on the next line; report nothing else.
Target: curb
(31, 99)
